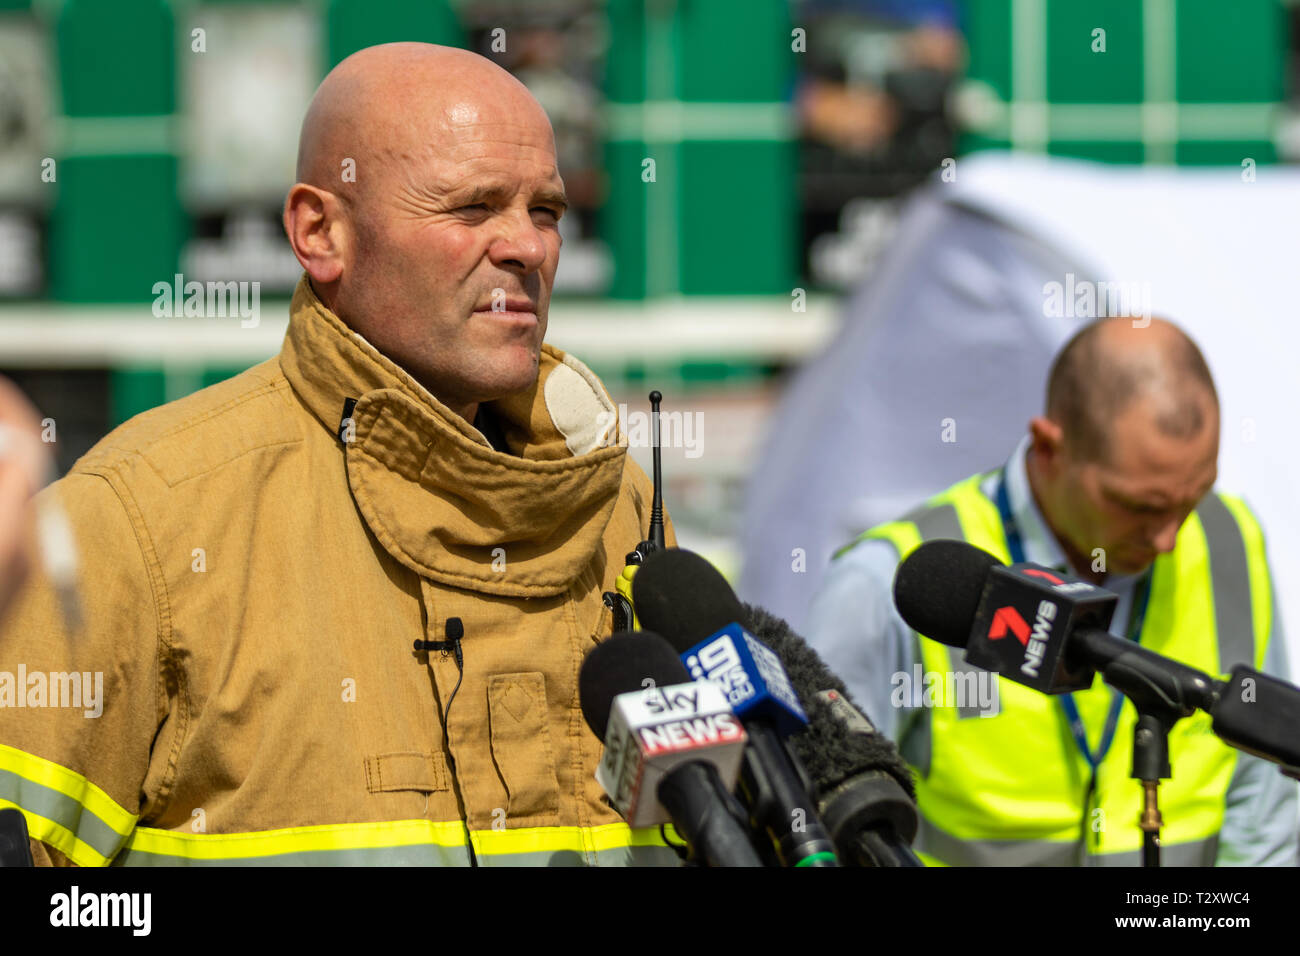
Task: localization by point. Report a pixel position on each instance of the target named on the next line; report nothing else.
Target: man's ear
(314, 221)
(1047, 441)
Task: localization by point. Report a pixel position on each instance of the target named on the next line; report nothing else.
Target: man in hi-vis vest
(1113, 484)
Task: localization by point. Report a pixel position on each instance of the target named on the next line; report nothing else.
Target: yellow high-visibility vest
(1013, 789)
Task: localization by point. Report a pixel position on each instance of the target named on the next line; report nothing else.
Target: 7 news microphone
(1049, 632)
(862, 786)
(672, 746)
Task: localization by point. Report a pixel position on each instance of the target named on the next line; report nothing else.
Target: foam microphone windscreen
(937, 589)
(620, 664)
(829, 753)
(682, 596)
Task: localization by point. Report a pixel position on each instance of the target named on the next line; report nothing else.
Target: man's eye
(554, 213)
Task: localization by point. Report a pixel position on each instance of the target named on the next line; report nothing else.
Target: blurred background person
(24, 468)
(1113, 484)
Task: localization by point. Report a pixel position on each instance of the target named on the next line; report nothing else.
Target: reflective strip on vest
(948, 850)
(1220, 574)
(609, 845)
(66, 811)
(63, 809)
(1231, 574)
(397, 843)
(401, 843)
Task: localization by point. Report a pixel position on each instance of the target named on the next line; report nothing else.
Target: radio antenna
(656, 536)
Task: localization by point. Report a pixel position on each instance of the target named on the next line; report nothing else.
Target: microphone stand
(1159, 708)
(1151, 765)
(1162, 696)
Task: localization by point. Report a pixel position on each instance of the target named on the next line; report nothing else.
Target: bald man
(335, 607)
(1114, 485)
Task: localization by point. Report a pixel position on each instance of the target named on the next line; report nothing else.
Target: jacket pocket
(521, 744)
(406, 770)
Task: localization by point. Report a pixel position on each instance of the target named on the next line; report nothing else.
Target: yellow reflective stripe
(328, 837)
(1261, 598)
(63, 808)
(375, 843)
(59, 837)
(609, 836)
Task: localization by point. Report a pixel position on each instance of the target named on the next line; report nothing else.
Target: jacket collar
(435, 494)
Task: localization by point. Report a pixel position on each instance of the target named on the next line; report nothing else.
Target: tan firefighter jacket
(254, 573)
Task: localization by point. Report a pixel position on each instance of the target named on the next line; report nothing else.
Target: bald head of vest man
(1128, 446)
(426, 215)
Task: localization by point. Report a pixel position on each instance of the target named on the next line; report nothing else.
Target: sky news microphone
(672, 746)
(864, 790)
(1048, 631)
(683, 597)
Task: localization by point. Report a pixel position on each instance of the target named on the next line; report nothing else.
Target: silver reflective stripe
(936, 521)
(61, 809)
(957, 852)
(639, 856)
(932, 522)
(1197, 853)
(424, 854)
(1230, 573)
(616, 856)
(419, 855)
(941, 522)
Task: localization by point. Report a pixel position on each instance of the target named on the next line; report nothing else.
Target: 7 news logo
(1034, 641)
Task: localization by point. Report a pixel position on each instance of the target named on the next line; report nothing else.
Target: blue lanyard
(1143, 593)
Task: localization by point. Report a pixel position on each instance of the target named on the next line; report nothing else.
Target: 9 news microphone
(864, 790)
(682, 596)
(672, 746)
(962, 596)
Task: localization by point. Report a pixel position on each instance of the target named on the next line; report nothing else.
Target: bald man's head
(1129, 444)
(1113, 363)
(426, 214)
(363, 109)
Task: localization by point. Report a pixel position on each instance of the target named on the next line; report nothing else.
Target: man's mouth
(517, 309)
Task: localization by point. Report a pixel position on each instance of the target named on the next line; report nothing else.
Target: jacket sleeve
(854, 626)
(79, 709)
(1260, 825)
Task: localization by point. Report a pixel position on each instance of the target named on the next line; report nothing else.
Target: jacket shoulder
(203, 431)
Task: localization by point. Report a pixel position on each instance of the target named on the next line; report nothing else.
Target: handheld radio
(620, 600)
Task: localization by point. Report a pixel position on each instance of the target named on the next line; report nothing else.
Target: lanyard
(1140, 597)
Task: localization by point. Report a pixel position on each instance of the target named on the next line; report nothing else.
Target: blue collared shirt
(855, 627)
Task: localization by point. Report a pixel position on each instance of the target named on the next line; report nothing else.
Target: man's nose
(519, 244)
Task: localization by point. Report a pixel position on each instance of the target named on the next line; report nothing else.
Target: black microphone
(681, 596)
(1037, 627)
(1048, 631)
(15, 850)
(864, 789)
(666, 737)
